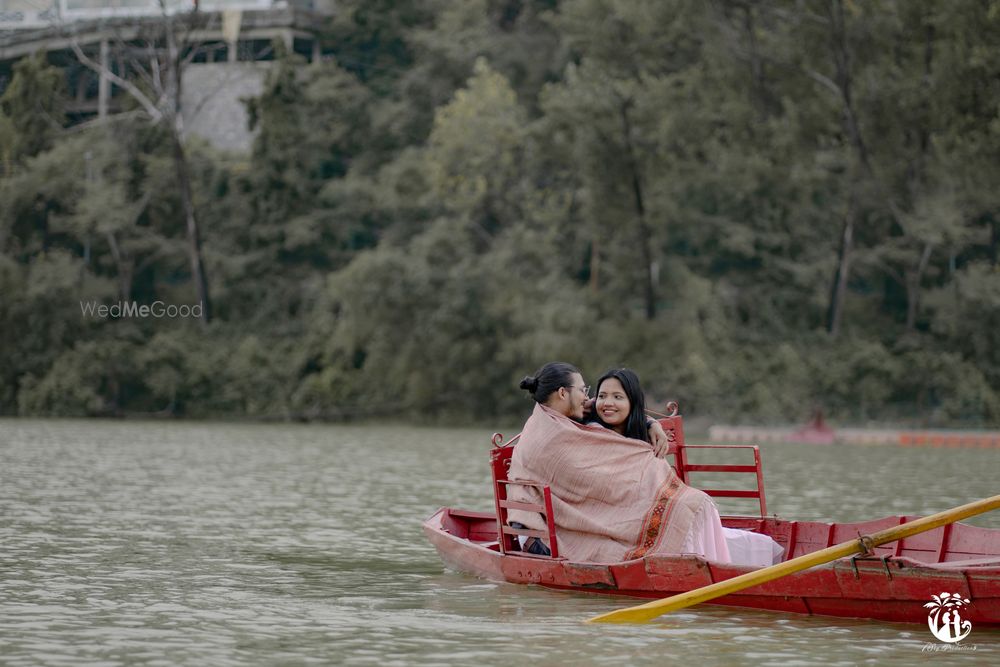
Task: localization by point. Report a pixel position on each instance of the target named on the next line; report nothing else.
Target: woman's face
(612, 404)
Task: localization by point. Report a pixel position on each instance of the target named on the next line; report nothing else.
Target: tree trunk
(194, 238)
(995, 240)
(758, 90)
(165, 106)
(124, 266)
(840, 277)
(649, 288)
(913, 280)
(916, 276)
(595, 267)
(842, 66)
(183, 171)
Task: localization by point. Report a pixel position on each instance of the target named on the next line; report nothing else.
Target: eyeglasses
(585, 388)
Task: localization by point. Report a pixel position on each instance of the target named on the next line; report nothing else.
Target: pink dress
(712, 541)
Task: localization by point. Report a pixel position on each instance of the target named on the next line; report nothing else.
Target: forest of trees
(762, 207)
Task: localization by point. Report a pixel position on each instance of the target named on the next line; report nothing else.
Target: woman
(621, 407)
(620, 404)
(613, 499)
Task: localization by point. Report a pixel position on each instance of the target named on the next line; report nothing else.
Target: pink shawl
(612, 498)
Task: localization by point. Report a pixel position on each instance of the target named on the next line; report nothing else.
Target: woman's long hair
(635, 424)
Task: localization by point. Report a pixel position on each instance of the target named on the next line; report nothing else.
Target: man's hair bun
(548, 379)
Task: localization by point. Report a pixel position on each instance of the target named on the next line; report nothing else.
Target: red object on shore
(893, 584)
(816, 432)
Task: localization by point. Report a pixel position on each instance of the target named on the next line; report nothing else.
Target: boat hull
(893, 587)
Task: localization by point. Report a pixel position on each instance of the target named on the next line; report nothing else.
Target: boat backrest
(507, 535)
(685, 468)
(673, 425)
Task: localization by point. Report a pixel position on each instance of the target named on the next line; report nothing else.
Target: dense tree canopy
(761, 207)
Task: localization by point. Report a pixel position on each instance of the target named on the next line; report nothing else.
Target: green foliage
(468, 190)
(31, 111)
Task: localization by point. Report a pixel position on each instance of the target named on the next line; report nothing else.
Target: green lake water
(162, 543)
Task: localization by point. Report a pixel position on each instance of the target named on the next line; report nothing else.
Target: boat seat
(673, 425)
(507, 534)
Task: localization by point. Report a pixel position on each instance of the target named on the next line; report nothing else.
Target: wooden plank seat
(500, 467)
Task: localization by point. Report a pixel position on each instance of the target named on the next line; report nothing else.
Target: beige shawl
(613, 500)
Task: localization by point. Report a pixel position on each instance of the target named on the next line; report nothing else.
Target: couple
(612, 497)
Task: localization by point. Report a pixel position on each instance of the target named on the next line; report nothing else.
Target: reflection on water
(164, 543)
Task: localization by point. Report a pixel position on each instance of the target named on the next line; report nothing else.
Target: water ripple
(133, 543)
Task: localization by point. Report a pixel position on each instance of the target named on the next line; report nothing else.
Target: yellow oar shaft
(651, 610)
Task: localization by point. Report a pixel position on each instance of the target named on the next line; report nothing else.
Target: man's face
(577, 396)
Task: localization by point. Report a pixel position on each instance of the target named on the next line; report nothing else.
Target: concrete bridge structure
(228, 46)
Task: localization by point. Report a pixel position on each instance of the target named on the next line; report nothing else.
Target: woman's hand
(658, 437)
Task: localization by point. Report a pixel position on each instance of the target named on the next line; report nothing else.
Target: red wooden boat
(892, 584)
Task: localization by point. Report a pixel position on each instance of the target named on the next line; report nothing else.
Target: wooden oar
(863, 544)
